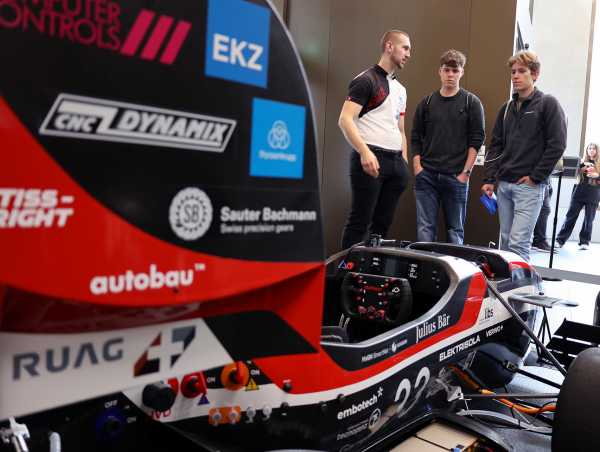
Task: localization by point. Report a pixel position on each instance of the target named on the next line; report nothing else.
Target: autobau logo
(164, 351)
(237, 42)
(277, 148)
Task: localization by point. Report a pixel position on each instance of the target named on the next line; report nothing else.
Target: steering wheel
(381, 299)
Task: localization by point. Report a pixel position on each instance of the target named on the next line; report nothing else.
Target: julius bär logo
(98, 23)
(164, 351)
(190, 213)
(33, 208)
(100, 119)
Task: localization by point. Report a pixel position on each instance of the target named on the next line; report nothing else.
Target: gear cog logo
(279, 136)
(190, 214)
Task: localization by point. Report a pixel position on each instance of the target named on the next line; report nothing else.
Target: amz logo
(164, 351)
(237, 42)
(100, 119)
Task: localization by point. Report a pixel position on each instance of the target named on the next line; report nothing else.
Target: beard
(397, 61)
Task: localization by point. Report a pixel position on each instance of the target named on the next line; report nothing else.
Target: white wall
(562, 40)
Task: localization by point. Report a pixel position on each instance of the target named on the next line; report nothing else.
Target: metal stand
(554, 223)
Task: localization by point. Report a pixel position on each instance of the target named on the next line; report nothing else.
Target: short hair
(453, 58)
(526, 58)
(387, 36)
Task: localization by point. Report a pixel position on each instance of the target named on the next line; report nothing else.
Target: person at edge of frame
(586, 195)
(528, 139)
(448, 130)
(372, 121)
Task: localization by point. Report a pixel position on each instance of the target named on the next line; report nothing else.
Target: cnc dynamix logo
(99, 24)
(277, 148)
(164, 351)
(100, 119)
(190, 213)
(237, 41)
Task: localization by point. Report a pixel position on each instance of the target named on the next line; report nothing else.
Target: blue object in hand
(490, 203)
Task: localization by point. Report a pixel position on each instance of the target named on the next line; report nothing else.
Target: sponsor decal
(428, 328)
(488, 310)
(97, 23)
(393, 348)
(154, 279)
(190, 213)
(357, 408)
(34, 208)
(107, 120)
(495, 330)
(67, 357)
(277, 148)
(265, 220)
(164, 351)
(375, 416)
(237, 41)
(354, 430)
(460, 347)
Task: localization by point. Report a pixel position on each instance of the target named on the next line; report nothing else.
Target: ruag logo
(277, 148)
(34, 208)
(190, 213)
(100, 119)
(68, 357)
(237, 41)
(164, 351)
(141, 282)
(97, 23)
(357, 408)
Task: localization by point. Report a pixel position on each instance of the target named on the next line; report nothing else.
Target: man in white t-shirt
(372, 120)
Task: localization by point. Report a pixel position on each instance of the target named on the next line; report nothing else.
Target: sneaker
(583, 246)
(541, 246)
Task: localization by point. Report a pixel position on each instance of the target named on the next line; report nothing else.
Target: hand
(526, 180)
(488, 190)
(463, 178)
(370, 164)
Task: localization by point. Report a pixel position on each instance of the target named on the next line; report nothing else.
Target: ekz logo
(164, 351)
(237, 44)
(100, 119)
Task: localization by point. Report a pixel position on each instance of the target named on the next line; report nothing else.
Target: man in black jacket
(448, 129)
(529, 137)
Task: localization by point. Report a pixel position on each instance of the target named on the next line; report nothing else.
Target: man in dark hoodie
(529, 137)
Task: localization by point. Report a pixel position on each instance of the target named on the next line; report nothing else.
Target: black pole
(560, 174)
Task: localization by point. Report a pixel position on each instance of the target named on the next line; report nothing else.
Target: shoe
(541, 246)
(584, 246)
(558, 245)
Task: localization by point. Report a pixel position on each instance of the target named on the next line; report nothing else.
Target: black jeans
(539, 233)
(374, 199)
(579, 202)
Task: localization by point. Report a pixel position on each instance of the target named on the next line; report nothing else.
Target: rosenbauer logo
(155, 279)
(34, 208)
(100, 119)
(98, 23)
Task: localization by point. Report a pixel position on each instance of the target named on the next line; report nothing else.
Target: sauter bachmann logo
(98, 23)
(100, 119)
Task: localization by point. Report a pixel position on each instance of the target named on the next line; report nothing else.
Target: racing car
(163, 282)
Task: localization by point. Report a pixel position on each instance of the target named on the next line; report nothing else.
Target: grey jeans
(518, 209)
